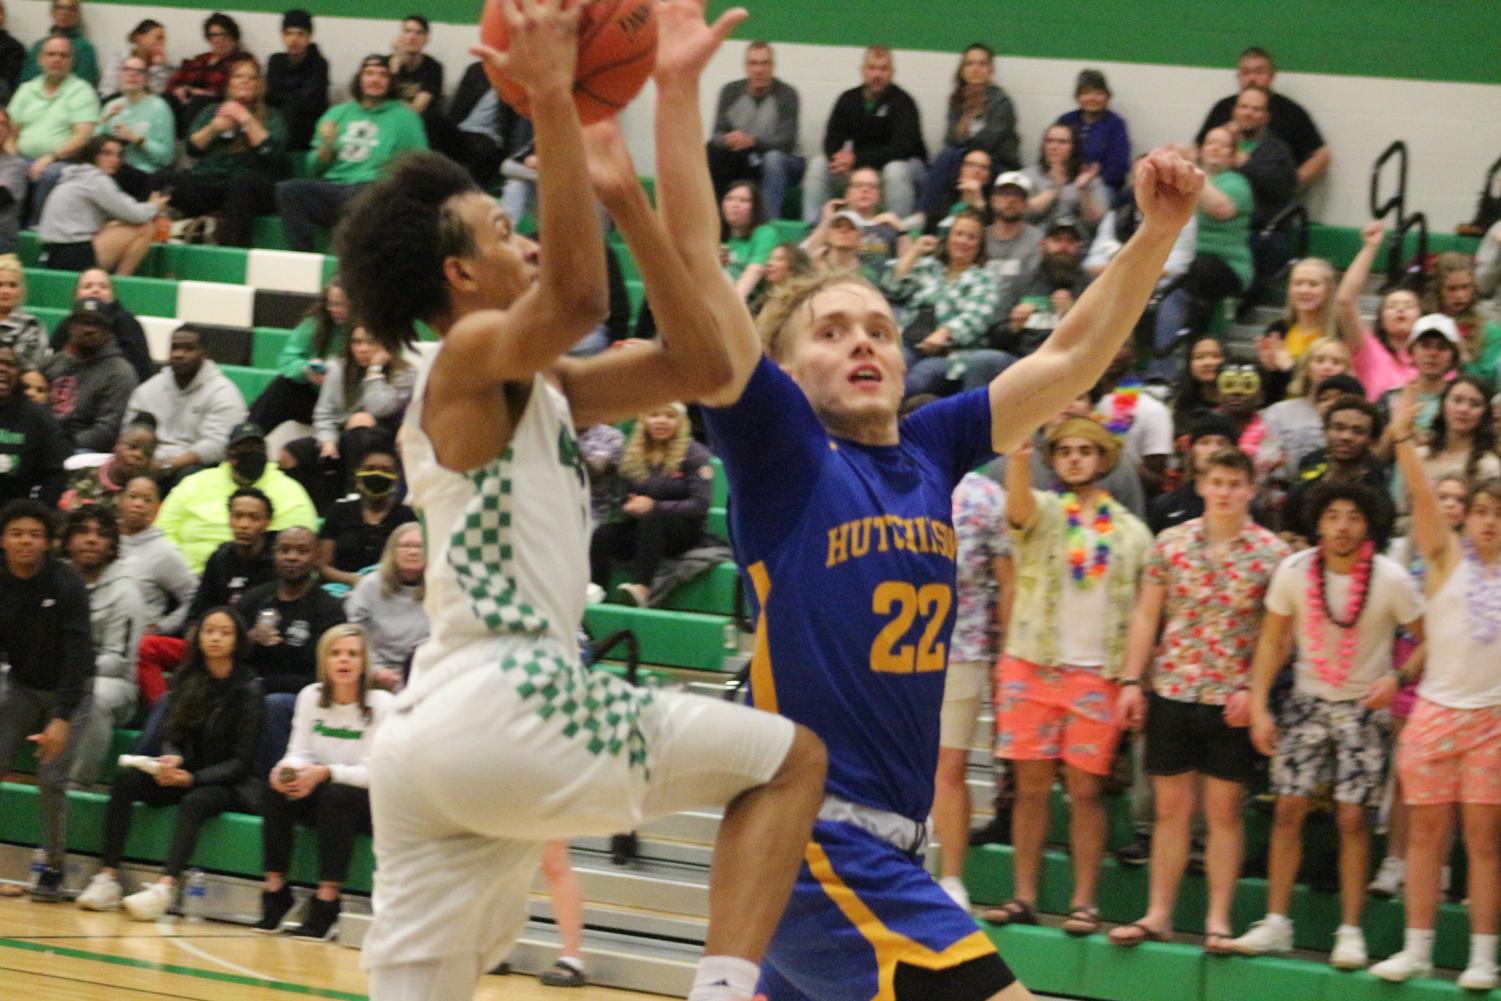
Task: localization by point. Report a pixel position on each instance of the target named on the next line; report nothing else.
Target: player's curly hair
(777, 315)
(392, 242)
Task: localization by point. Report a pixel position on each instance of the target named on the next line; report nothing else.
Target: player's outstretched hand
(685, 41)
(611, 172)
(543, 37)
(1167, 188)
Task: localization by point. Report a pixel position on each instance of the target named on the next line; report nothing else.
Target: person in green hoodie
(354, 141)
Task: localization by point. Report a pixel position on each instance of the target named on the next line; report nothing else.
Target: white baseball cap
(1014, 178)
(1434, 323)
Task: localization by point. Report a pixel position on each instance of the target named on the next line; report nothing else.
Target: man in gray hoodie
(91, 380)
(91, 541)
(194, 404)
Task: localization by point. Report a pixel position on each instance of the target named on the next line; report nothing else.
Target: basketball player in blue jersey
(840, 517)
(502, 740)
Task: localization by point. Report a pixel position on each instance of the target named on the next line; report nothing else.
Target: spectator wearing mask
(980, 117)
(1351, 427)
(117, 619)
(388, 605)
(323, 781)
(193, 515)
(303, 363)
(67, 17)
(133, 455)
(207, 766)
(33, 445)
(200, 81)
(297, 79)
(1288, 120)
(755, 131)
(873, 125)
(91, 380)
(19, 330)
(90, 222)
(152, 563)
(668, 483)
(130, 336)
(45, 636)
(240, 146)
(356, 529)
(147, 42)
(193, 404)
(354, 142)
(1104, 138)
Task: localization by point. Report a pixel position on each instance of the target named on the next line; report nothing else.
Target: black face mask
(375, 482)
(248, 465)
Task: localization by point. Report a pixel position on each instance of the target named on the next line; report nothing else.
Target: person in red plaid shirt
(203, 79)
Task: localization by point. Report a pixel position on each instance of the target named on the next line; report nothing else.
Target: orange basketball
(617, 50)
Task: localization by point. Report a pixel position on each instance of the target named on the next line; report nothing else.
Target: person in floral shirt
(1203, 588)
(982, 599)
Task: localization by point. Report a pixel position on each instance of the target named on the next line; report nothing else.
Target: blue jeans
(306, 203)
(938, 188)
(773, 170)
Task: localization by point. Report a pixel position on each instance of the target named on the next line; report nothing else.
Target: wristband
(1129, 682)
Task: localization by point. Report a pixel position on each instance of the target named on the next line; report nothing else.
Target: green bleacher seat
(721, 485)
(267, 346)
(190, 262)
(669, 638)
(719, 522)
(50, 316)
(636, 290)
(250, 381)
(147, 296)
(47, 287)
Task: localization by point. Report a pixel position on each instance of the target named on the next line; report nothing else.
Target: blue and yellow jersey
(849, 551)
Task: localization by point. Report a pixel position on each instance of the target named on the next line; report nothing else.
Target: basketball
(617, 50)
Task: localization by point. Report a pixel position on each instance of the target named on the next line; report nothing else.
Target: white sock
(1483, 951)
(1418, 943)
(1278, 919)
(724, 978)
(1342, 929)
(572, 961)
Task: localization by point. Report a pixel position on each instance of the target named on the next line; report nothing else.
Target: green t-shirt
(225, 157)
(1229, 239)
(46, 121)
(298, 349)
(367, 139)
(748, 250)
(151, 118)
(1487, 357)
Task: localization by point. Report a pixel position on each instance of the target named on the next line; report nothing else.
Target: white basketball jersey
(507, 542)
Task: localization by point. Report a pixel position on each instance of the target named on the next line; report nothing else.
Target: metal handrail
(632, 651)
(1409, 275)
(1398, 201)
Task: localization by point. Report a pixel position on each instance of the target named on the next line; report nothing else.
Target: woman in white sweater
(323, 780)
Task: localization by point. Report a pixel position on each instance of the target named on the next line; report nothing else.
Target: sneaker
(1388, 881)
(1135, 853)
(997, 832)
(635, 595)
(1401, 966)
(594, 594)
(141, 762)
(1349, 950)
(274, 907)
(564, 973)
(319, 922)
(1265, 936)
(954, 887)
(1479, 976)
(102, 894)
(624, 848)
(150, 903)
(49, 886)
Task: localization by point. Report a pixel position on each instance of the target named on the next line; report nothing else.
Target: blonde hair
(1452, 262)
(776, 316)
(1328, 313)
(326, 643)
(390, 577)
(12, 263)
(1300, 385)
(642, 455)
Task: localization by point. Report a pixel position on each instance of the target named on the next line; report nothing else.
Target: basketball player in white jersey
(502, 740)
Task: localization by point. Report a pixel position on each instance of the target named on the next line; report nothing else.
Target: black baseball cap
(246, 431)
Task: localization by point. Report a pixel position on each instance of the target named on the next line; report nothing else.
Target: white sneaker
(142, 762)
(150, 903)
(102, 893)
(1388, 881)
(954, 887)
(1479, 976)
(1349, 950)
(1265, 936)
(594, 594)
(1401, 966)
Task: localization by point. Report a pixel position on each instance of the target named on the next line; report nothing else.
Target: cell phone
(318, 365)
(288, 775)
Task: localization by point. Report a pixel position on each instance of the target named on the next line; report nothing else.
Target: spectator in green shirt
(54, 114)
(747, 237)
(303, 361)
(66, 15)
(143, 124)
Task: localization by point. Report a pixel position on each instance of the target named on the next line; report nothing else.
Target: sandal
(563, 974)
(1136, 933)
(1217, 943)
(1082, 921)
(1012, 912)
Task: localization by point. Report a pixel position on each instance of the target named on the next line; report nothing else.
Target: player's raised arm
(685, 194)
(689, 358)
(1076, 354)
(569, 297)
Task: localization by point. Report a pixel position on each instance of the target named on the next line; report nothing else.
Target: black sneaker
(503, 970)
(563, 974)
(623, 848)
(319, 922)
(274, 906)
(1136, 853)
(49, 886)
(997, 832)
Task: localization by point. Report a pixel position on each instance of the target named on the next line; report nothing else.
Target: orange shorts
(1450, 755)
(1055, 714)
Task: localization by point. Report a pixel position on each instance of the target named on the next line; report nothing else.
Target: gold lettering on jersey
(852, 539)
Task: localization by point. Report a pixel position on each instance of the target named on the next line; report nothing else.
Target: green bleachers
(267, 345)
(250, 381)
(670, 638)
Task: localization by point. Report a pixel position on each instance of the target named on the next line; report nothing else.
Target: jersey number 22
(906, 604)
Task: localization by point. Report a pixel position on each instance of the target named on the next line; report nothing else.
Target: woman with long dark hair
(303, 362)
(88, 221)
(1062, 185)
(211, 732)
(980, 117)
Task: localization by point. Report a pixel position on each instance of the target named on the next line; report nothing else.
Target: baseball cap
(90, 310)
(1067, 222)
(1202, 425)
(853, 218)
(1013, 178)
(246, 431)
(1434, 323)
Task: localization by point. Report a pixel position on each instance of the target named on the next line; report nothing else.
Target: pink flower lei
(1318, 612)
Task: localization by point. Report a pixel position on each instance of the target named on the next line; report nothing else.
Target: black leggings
(335, 812)
(239, 198)
(284, 400)
(644, 542)
(194, 805)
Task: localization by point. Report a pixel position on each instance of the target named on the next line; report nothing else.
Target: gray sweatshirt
(195, 419)
(161, 575)
(89, 395)
(380, 397)
(116, 620)
(397, 625)
(84, 200)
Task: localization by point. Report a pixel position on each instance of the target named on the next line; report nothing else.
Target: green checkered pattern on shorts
(596, 707)
(480, 553)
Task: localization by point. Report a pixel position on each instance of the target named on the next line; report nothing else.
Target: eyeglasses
(132, 69)
(216, 34)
